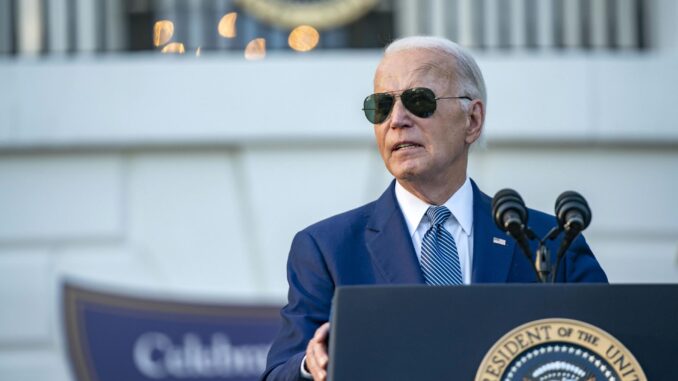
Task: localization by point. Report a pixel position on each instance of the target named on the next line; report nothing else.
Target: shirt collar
(460, 204)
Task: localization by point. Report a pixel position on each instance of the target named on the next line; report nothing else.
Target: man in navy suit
(427, 110)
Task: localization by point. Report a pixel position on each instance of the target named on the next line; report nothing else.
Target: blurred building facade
(189, 174)
(39, 27)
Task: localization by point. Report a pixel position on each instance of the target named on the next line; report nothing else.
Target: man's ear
(476, 119)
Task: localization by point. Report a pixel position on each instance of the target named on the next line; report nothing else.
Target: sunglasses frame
(406, 103)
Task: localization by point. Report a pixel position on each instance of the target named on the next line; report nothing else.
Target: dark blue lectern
(505, 332)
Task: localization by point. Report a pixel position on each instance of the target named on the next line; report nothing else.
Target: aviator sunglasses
(420, 101)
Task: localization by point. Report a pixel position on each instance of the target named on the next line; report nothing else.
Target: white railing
(30, 27)
(536, 24)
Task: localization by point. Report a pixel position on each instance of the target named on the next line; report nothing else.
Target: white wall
(190, 176)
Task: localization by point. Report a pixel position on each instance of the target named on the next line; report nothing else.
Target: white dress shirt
(460, 223)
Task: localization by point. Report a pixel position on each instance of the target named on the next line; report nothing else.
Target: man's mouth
(405, 146)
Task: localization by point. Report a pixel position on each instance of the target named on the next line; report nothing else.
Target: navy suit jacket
(372, 245)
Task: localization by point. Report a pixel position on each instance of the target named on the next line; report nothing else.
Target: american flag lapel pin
(499, 241)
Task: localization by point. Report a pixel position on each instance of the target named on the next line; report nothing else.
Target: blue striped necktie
(439, 259)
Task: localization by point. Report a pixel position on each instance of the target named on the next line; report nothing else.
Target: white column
(407, 18)
(220, 8)
(87, 26)
(195, 24)
(57, 26)
(663, 29)
(545, 24)
(168, 10)
(491, 24)
(518, 24)
(572, 23)
(452, 9)
(627, 25)
(116, 27)
(438, 12)
(5, 27)
(465, 22)
(29, 26)
(598, 24)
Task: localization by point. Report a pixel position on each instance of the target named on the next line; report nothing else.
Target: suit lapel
(389, 242)
(392, 251)
(492, 248)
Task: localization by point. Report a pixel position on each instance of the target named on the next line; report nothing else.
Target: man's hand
(316, 353)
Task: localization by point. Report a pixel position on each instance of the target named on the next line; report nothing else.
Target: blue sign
(115, 337)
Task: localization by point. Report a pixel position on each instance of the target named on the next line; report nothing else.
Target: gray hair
(467, 70)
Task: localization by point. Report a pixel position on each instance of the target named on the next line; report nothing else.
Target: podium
(505, 332)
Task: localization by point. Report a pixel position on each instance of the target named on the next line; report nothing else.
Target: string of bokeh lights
(303, 38)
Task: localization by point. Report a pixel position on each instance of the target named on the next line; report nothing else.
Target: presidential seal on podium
(558, 350)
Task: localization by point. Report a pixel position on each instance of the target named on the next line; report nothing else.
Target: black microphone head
(505, 201)
(572, 209)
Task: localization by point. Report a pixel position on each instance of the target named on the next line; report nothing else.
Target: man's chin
(406, 168)
(406, 174)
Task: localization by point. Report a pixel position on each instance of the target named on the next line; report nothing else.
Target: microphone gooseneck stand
(510, 215)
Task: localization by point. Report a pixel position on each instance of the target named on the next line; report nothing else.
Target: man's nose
(400, 117)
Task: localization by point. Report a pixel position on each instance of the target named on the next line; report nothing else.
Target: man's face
(421, 150)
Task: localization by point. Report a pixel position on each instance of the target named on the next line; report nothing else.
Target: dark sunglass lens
(420, 101)
(377, 107)
(384, 106)
(370, 107)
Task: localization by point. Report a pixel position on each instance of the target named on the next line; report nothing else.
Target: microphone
(509, 211)
(574, 215)
(510, 215)
(573, 212)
